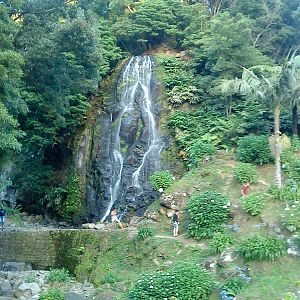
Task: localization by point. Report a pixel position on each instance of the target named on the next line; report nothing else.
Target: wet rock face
(125, 145)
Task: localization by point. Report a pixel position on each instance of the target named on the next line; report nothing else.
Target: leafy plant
(207, 212)
(259, 247)
(59, 275)
(183, 282)
(161, 179)
(233, 285)
(253, 203)
(291, 216)
(289, 296)
(52, 294)
(198, 150)
(245, 172)
(145, 233)
(110, 278)
(73, 202)
(254, 149)
(31, 278)
(221, 241)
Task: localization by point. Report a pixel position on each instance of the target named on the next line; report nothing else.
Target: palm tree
(292, 89)
(269, 84)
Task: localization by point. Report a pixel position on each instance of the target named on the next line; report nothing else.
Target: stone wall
(46, 248)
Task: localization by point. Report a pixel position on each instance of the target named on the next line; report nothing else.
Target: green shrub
(221, 241)
(73, 202)
(59, 275)
(198, 151)
(233, 285)
(289, 193)
(291, 216)
(253, 203)
(207, 212)
(254, 149)
(52, 294)
(110, 278)
(161, 179)
(289, 296)
(260, 247)
(245, 172)
(183, 282)
(145, 233)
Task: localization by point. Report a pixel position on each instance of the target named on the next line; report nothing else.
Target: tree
(269, 84)
(11, 103)
(292, 89)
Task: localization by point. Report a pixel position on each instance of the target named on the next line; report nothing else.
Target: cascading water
(135, 143)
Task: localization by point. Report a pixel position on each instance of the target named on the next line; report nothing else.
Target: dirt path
(188, 242)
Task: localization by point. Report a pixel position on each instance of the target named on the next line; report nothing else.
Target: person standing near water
(2, 217)
(115, 219)
(175, 221)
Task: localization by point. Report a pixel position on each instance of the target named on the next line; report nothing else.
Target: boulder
(99, 226)
(72, 296)
(28, 289)
(5, 288)
(88, 226)
(106, 295)
(175, 201)
(226, 257)
(15, 266)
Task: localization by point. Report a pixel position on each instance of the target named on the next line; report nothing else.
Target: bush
(260, 247)
(207, 212)
(290, 192)
(254, 203)
(198, 151)
(59, 275)
(110, 278)
(52, 294)
(73, 202)
(161, 179)
(291, 216)
(145, 233)
(183, 282)
(254, 149)
(245, 172)
(221, 241)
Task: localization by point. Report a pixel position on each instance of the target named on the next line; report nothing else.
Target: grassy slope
(124, 260)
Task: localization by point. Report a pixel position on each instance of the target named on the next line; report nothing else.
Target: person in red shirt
(245, 189)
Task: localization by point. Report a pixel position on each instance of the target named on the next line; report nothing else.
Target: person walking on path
(115, 219)
(175, 221)
(245, 189)
(2, 217)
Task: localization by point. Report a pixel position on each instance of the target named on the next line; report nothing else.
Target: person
(2, 217)
(114, 218)
(175, 221)
(245, 189)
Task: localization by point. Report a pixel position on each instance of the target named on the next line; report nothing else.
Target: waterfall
(136, 109)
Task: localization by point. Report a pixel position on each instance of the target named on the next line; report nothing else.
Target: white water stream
(135, 87)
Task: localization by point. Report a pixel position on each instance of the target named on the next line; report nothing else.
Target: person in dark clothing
(175, 221)
(2, 217)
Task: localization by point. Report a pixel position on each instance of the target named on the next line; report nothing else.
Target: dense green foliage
(161, 179)
(72, 204)
(254, 149)
(221, 241)
(254, 203)
(52, 294)
(207, 213)
(184, 282)
(145, 233)
(59, 275)
(259, 247)
(55, 53)
(245, 172)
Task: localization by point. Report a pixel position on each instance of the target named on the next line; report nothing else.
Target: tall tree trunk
(277, 145)
(295, 120)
